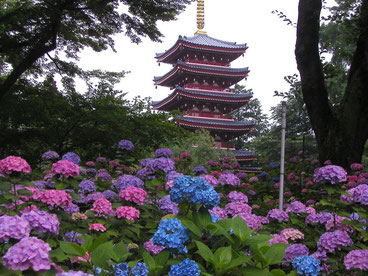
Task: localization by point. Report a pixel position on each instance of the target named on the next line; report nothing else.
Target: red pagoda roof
(173, 77)
(201, 42)
(235, 127)
(180, 95)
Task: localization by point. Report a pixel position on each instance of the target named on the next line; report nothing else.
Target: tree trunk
(340, 136)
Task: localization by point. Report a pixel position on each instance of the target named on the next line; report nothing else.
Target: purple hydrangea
(252, 221)
(213, 163)
(40, 184)
(218, 212)
(101, 159)
(241, 175)
(13, 227)
(199, 170)
(104, 176)
(277, 239)
(360, 194)
(357, 259)
(153, 249)
(229, 179)
(49, 155)
(109, 194)
(163, 152)
(73, 273)
(71, 156)
(278, 215)
(296, 207)
(71, 208)
(93, 197)
(126, 145)
(164, 164)
(210, 179)
(235, 208)
(235, 196)
(295, 250)
(73, 237)
(91, 171)
(87, 186)
(127, 180)
(167, 206)
(42, 222)
(330, 241)
(173, 175)
(30, 252)
(330, 174)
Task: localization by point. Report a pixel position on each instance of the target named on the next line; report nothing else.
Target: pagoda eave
(240, 129)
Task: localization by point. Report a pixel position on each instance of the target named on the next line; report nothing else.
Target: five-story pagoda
(200, 81)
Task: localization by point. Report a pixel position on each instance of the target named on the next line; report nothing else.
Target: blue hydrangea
(171, 234)
(126, 145)
(274, 165)
(87, 186)
(163, 152)
(306, 265)
(91, 171)
(122, 269)
(214, 218)
(264, 175)
(196, 190)
(109, 194)
(185, 268)
(140, 270)
(200, 170)
(71, 156)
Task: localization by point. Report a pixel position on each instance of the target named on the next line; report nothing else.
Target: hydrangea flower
(218, 212)
(196, 190)
(306, 265)
(252, 221)
(253, 179)
(235, 196)
(229, 179)
(330, 174)
(140, 269)
(295, 250)
(102, 207)
(133, 194)
(278, 215)
(330, 241)
(185, 155)
(199, 170)
(87, 186)
(14, 164)
(55, 197)
(167, 206)
(356, 167)
(171, 234)
(101, 159)
(122, 269)
(185, 268)
(48, 155)
(163, 152)
(127, 180)
(357, 259)
(296, 207)
(126, 145)
(73, 273)
(30, 252)
(109, 194)
(97, 227)
(291, 233)
(127, 212)
(151, 248)
(163, 164)
(66, 168)
(277, 239)
(42, 222)
(104, 176)
(13, 227)
(71, 156)
(235, 208)
(210, 179)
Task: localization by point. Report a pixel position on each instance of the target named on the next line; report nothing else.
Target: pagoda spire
(200, 17)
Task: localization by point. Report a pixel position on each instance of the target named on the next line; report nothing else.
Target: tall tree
(341, 133)
(43, 37)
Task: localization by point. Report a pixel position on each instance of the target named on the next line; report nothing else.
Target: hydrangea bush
(160, 217)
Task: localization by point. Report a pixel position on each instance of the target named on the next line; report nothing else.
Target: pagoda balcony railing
(207, 63)
(210, 116)
(207, 88)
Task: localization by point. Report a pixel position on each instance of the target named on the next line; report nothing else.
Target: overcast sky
(270, 55)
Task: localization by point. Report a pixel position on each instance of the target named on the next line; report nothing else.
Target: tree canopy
(44, 38)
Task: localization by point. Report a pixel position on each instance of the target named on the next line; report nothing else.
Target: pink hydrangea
(219, 212)
(14, 164)
(13, 227)
(66, 168)
(133, 194)
(127, 212)
(90, 164)
(210, 179)
(235, 208)
(356, 166)
(253, 179)
(291, 233)
(102, 207)
(55, 197)
(97, 227)
(185, 155)
(152, 248)
(277, 239)
(252, 221)
(30, 252)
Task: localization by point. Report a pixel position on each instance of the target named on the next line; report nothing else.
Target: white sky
(270, 55)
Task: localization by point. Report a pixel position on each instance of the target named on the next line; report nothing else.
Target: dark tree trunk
(340, 136)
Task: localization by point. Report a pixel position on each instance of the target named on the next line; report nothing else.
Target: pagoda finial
(200, 17)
